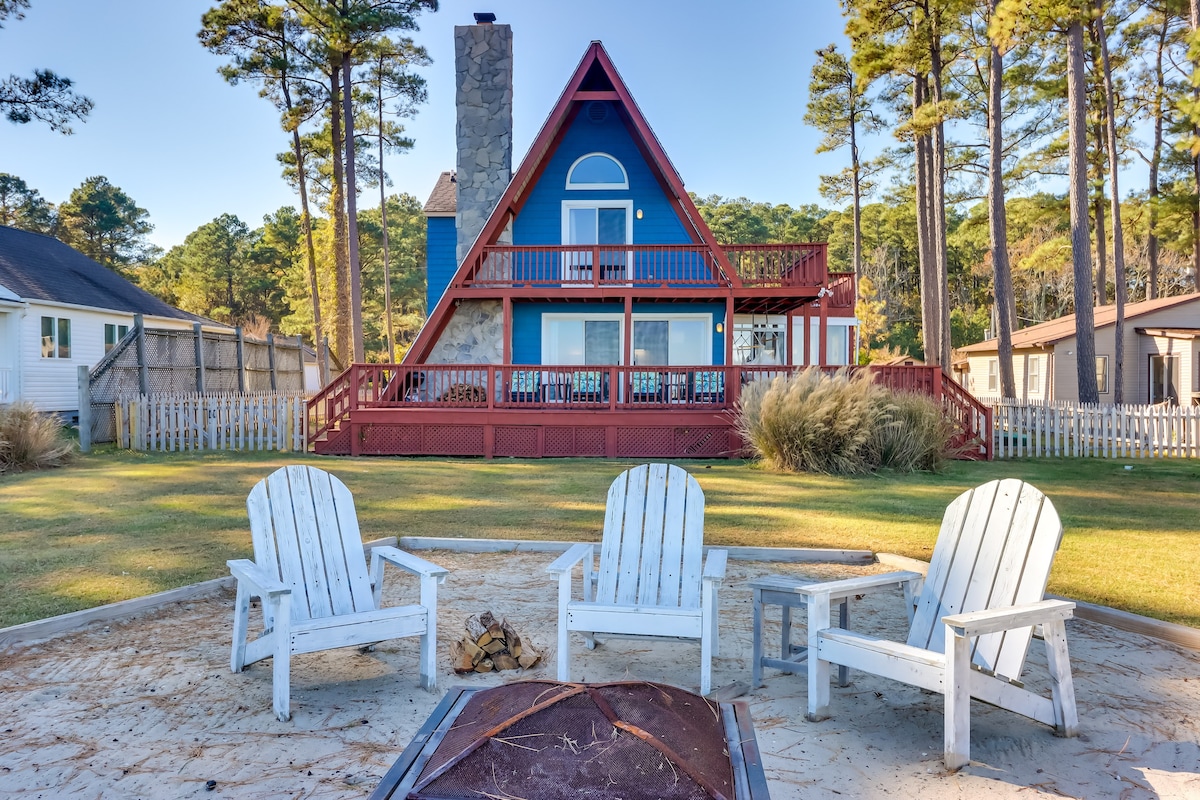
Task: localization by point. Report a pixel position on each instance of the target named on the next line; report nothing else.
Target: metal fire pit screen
(543, 740)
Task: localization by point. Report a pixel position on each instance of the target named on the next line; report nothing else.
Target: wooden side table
(780, 590)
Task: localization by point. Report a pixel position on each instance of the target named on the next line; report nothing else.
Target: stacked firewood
(490, 644)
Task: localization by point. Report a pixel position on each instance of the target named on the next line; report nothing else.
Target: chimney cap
(485, 17)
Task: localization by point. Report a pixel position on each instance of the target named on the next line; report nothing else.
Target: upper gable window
(597, 171)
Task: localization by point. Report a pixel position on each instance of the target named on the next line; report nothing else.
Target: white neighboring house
(60, 310)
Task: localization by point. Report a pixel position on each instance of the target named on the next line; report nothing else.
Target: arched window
(597, 171)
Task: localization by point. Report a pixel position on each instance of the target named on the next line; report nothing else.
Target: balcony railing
(758, 265)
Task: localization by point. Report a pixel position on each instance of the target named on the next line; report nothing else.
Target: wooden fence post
(143, 368)
(199, 332)
(271, 358)
(241, 360)
(300, 358)
(85, 409)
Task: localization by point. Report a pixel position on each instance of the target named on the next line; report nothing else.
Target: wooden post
(300, 358)
(241, 360)
(823, 346)
(271, 358)
(85, 409)
(143, 369)
(199, 333)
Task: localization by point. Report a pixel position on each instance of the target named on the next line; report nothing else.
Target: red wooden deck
(543, 411)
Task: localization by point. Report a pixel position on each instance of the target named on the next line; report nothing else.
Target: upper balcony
(799, 270)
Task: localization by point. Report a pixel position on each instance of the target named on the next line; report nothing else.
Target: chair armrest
(576, 553)
(261, 582)
(849, 587)
(407, 561)
(977, 623)
(714, 565)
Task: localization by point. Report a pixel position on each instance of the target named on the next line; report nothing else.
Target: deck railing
(641, 265)
(599, 388)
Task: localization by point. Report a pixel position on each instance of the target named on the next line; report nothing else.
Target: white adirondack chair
(649, 582)
(971, 617)
(311, 573)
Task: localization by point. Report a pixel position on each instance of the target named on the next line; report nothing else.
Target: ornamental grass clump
(813, 422)
(841, 424)
(916, 437)
(32, 440)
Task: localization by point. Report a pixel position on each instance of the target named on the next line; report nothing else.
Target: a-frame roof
(594, 79)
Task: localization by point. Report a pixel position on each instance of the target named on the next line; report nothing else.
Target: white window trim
(620, 319)
(568, 205)
(584, 186)
(993, 374)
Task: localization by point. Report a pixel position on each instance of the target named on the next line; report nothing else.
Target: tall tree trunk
(1081, 250)
(356, 323)
(929, 312)
(387, 269)
(1119, 282)
(938, 205)
(342, 340)
(310, 251)
(1194, 20)
(1156, 159)
(1005, 304)
(1098, 219)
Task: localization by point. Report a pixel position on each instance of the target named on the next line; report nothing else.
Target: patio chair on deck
(650, 581)
(311, 573)
(971, 618)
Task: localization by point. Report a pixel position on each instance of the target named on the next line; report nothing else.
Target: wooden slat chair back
(651, 550)
(303, 522)
(995, 549)
(652, 578)
(972, 616)
(310, 570)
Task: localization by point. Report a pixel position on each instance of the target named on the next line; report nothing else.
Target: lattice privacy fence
(156, 361)
(166, 422)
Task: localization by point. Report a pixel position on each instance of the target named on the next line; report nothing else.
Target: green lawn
(118, 524)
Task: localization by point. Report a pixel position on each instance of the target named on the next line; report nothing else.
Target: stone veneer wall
(474, 335)
(483, 68)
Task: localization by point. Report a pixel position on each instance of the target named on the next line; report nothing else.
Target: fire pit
(543, 740)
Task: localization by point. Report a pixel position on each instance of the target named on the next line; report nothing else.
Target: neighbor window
(597, 171)
(113, 334)
(1102, 374)
(993, 375)
(56, 338)
(1033, 379)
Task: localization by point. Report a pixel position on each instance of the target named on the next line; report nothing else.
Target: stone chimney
(483, 65)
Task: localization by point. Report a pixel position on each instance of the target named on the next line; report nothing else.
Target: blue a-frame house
(582, 307)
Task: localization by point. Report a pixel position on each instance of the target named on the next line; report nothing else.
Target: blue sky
(724, 85)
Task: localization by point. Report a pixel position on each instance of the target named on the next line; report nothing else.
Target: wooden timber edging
(1171, 632)
(77, 620)
(737, 553)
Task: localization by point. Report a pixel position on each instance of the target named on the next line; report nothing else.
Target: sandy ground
(148, 708)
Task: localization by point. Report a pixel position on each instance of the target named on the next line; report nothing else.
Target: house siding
(1062, 365)
(52, 384)
(540, 219)
(440, 262)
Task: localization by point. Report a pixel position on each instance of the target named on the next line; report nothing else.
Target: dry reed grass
(32, 440)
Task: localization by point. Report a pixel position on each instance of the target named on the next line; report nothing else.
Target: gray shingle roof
(443, 200)
(37, 267)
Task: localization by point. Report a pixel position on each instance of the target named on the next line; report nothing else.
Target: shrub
(841, 424)
(813, 422)
(916, 437)
(32, 440)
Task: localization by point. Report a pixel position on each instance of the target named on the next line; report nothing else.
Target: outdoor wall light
(720, 327)
(639, 213)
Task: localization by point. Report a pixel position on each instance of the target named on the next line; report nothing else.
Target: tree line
(992, 107)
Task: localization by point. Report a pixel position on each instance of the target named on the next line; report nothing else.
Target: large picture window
(56, 337)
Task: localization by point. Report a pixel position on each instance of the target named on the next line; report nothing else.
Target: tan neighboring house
(1161, 363)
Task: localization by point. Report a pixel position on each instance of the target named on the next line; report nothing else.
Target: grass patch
(117, 524)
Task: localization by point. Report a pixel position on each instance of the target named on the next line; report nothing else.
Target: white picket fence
(1063, 430)
(264, 421)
